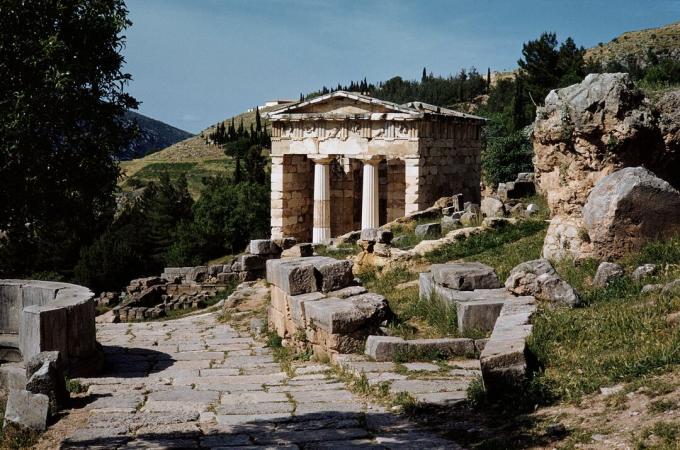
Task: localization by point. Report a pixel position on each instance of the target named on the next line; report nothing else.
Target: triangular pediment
(343, 103)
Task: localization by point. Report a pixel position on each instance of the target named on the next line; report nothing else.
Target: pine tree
(258, 122)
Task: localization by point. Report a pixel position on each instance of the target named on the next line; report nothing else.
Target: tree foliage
(545, 65)
(138, 242)
(61, 125)
(436, 90)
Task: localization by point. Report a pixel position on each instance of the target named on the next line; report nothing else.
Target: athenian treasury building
(344, 162)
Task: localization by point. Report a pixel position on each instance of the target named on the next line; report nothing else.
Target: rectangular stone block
(276, 321)
(293, 276)
(10, 307)
(252, 262)
(27, 410)
(478, 315)
(43, 328)
(297, 307)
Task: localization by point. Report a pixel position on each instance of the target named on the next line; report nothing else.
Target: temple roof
(340, 104)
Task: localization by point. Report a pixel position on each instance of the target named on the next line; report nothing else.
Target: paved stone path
(197, 383)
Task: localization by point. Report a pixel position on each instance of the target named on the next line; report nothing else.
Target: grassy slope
(193, 157)
(636, 43)
(502, 249)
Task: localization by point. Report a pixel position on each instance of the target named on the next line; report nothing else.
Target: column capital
(321, 159)
(370, 159)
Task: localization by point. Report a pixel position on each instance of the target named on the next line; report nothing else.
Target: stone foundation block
(389, 348)
(252, 262)
(335, 315)
(293, 276)
(276, 321)
(506, 359)
(297, 307)
(335, 274)
(478, 315)
(465, 276)
(27, 410)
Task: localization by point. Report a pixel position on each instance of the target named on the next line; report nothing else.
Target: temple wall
(344, 173)
(450, 165)
(292, 197)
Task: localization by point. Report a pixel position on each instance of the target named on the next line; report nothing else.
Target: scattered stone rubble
(179, 288)
(523, 186)
(31, 404)
(452, 214)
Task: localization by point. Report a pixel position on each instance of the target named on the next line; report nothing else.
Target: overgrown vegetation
(620, 334)
(165, 227)
(502, 248)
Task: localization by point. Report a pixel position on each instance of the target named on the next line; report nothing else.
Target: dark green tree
(226, 217)
(62, 101)
(539, 64)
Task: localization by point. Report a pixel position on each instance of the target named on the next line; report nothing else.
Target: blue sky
(195, 62)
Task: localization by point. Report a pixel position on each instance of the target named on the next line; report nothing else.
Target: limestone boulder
(465, 276)
(606, 273)
(643, 271)
(492, 207)
(591, 129)
(567, 238)
(629, 208)
(538, 278)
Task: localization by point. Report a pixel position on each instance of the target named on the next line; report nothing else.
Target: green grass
(416, 318)
(618, 336)
(195, 172)
(667, 436)
(407, 232)
(502, 248)
(341, 251)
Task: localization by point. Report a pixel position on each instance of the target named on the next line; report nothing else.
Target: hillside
(155, 135)
(662, 41)
(194, 156)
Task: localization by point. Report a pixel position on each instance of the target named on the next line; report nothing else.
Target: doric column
(321, 231)
(277, 224)
(369, 195)
(413, 193)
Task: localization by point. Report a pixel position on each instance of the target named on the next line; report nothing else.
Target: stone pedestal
(321, 231)
(369, 196)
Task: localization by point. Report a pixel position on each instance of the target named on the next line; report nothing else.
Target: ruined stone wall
(292, 203)
(449, 163)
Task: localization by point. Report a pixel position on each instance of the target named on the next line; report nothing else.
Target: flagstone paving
(197, 383)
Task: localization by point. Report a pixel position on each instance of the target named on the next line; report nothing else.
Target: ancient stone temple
(344, 161)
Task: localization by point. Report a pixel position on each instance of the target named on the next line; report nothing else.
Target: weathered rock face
(590, 130)
(629, 208)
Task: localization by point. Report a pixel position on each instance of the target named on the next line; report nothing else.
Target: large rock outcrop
(629, 208)
(588, 131)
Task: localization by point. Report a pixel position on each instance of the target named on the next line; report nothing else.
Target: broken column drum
(345, 161)
(38, 316)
